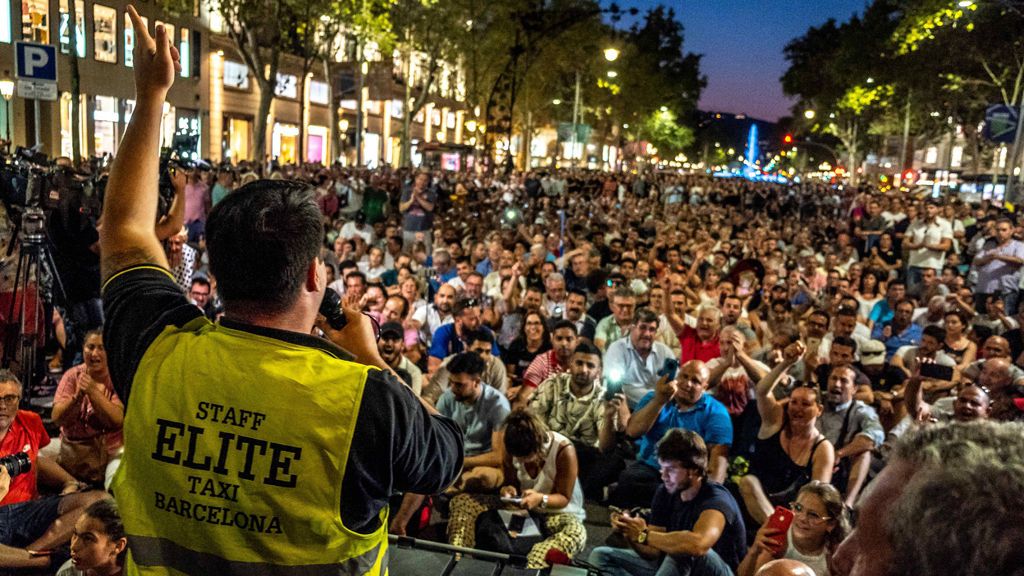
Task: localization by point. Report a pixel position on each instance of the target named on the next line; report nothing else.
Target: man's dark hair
(935, 331)
(566, 324)
(821, 312)
(478, 335)
(577, 292)
(587, 348)
(262, 239)
(347, 265)
(469, 363)
(201, 280)
(685, 447)
(845, 341)
(463, 304)
(357, 274)
(645, 315)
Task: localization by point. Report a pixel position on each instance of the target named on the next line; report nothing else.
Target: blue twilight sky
(742, 42)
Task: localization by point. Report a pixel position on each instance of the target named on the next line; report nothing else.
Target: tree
(663, 131)
(313, 32)
(426, 33)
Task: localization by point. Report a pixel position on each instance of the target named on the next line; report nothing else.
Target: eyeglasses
(810, 514)
(9, 399)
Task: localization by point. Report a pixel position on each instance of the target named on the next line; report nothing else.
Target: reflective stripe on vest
(148, 551)
(235, 449)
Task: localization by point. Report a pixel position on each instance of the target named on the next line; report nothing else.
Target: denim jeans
(626, 562)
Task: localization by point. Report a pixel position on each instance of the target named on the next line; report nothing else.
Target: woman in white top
(540, 470)
(820, 523)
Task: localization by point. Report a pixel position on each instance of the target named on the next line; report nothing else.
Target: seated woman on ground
(790, 451)
(90, 416)
(540, 471)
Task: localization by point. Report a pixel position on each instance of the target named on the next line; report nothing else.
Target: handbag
(85, 459)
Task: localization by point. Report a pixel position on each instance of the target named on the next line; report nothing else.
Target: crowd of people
(740, 372)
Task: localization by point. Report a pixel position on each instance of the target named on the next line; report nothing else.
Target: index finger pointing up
(141, 31)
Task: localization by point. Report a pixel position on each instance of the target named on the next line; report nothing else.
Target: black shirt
(396, 446)
(668, 511)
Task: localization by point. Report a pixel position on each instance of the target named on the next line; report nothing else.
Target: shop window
(104, 27)
(65, 27)
(105, 131)
(129, 40)
(319, 92)
(35, 20)
(5, 22)
(236, 75)
(185, 50)
(287, 86)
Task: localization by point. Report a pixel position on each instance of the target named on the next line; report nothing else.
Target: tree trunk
(267, 85)
(339, 137)
(405, 158)
(76, 89)
(302, 111)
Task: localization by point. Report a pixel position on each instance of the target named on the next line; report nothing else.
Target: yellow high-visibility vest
(235, 448)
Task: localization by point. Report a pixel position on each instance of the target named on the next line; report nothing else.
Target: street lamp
(557, 101)
(611, 54)
(7, 90)
(809, 114)
(612, 74)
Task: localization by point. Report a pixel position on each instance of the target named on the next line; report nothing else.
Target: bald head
(995, 374)
(785, 567)
(996, 347)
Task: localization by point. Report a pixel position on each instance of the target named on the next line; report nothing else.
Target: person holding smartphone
(817, 523)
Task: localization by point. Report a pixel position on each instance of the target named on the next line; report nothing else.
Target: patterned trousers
(565, 531)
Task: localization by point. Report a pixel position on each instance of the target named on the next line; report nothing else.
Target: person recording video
(249, 442)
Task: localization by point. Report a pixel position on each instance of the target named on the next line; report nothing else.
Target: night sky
(742, 42)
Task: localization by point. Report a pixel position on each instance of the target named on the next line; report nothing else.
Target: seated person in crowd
(572, 403)
(732, 380)
(695, 526)
(540, 468)
(494, 375)
(631, 364)
(790, 451)
(698, 337)
(679, 403)
(616, 326)
(972, 403)
(842, 352)
(533, 341)
(90, 415)
(392, 349)
(909, 360)
(555, 361)
(429, 319)
(30, 521)
(480, 412)
(449, 339)
(899, 331)
(576, 312)
(852, 427)
(820, 523)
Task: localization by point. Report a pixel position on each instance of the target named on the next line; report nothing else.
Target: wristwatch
(544, 502)
(642, 538)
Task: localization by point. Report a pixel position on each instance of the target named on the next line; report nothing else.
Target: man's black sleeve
(137, 305)
(397, 447)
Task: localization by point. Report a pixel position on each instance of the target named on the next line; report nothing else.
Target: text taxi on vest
(178, 443)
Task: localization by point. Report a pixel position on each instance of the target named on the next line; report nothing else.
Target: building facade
(216, 98)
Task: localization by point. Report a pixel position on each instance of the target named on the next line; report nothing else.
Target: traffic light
(787, 139)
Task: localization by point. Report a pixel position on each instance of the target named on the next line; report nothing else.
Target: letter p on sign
(36, 61)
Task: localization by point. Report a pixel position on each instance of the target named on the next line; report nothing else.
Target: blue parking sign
(35, 61)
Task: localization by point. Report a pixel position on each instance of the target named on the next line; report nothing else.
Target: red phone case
(780, 520)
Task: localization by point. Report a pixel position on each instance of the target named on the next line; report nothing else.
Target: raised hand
(157, 61)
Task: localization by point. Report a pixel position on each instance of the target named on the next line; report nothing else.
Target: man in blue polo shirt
(449, 339)
(679, 403)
